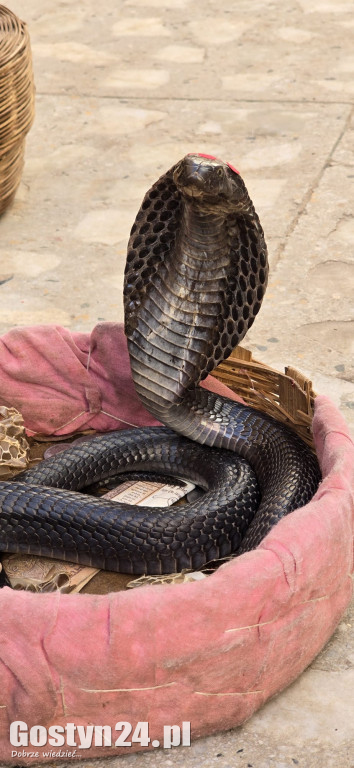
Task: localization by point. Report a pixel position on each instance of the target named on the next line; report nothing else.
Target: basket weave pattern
(16, 101)
(288, 396)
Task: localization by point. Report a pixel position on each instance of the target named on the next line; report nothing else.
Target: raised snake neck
(207, 273)
(195, 277)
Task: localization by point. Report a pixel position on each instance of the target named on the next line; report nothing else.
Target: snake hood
(195, 277)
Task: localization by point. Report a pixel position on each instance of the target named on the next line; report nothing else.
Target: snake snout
(197, 176)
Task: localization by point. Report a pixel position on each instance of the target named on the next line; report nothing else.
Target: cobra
(195, 278)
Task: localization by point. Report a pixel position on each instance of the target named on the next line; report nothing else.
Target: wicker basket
(288, 396)
(16, 101)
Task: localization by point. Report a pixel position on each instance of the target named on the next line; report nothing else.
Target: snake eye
(220, 172)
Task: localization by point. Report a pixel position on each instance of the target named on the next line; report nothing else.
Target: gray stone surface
(124, 89)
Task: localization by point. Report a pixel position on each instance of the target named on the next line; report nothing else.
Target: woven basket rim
(288, 397)
(16, 101)
(13, 35)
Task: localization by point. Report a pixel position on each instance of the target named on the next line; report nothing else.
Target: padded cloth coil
(215, 650)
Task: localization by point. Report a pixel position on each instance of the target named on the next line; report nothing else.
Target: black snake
(195, 278)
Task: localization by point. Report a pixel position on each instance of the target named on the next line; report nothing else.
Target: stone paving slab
(124, 89)
(311, 293)
(69, 225)
(157, 48)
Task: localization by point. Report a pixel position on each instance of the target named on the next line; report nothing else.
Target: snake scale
(195, 278)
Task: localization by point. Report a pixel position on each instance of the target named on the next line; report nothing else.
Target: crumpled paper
(14, 448)
(43, 574)
(168, 578)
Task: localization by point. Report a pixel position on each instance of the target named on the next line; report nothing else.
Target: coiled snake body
(195, 277)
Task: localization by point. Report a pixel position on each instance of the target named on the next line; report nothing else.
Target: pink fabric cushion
(65, 382)
(209, 652)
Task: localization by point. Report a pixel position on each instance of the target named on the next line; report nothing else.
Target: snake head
(209, 180)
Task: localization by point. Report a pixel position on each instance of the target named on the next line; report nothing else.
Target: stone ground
(124, 89)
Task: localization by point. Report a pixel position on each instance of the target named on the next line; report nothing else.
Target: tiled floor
(124, 89)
